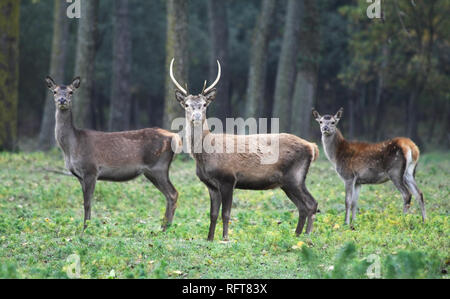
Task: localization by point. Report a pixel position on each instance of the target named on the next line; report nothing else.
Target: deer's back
(140, 146)
(372, 161)
(259, 163)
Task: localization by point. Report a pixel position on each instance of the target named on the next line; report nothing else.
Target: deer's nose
(62, 101)
(196, 116)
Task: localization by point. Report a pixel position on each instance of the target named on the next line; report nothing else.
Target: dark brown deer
(118, 157)
(359, 163)
(223, 170)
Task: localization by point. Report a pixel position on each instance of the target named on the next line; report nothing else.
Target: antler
(215, 82)
(174, 80)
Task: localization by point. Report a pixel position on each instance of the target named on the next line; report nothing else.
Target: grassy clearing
(41, 220)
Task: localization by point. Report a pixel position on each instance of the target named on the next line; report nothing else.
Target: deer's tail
(177, 143)
(314, 151)
(411, 153)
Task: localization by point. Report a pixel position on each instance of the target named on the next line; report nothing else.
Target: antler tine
(217, 79)
(175, 81)
(204, 86)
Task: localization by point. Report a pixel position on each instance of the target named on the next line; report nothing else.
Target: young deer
(359, 163)
(223, 171)
(118, 157)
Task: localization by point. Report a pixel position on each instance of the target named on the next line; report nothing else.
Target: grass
(41, 220)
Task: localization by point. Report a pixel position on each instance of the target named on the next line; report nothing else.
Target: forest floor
(41, 220)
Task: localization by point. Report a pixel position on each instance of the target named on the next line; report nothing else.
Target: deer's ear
(339, 114)
(76, 83)
(181, 98)
(210, 96)
(316, 114)
(50, 83)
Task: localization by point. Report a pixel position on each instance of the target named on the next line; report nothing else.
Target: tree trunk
(287, 65)
(120, 106)
(351, 118)
(256, 86)
(176, 47)
(84, 63)
(9, 72)
(379, 104)
(57, 71)
(218, 29)
(307, 75)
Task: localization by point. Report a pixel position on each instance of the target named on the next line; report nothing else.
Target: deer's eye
(320, 122)
(71, 92)
(54, 92)
(333, 123)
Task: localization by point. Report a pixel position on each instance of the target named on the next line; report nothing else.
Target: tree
(307, 73)
(256, 86)
(176, 47)
(57, 71)
(287, 66)
(84, 63)
(120, 106)
(9, 72)
(218, 29)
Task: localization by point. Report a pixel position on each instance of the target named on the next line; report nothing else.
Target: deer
(223, 171)
(360, 163)
(118, 156)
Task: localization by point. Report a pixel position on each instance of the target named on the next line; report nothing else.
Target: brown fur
(359, 163)
(119, 156)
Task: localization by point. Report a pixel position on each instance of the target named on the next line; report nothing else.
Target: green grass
(41, 220)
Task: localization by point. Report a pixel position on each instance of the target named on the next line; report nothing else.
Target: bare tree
(84, 62)
(57, 71)
(176, 47)
(120, 107)
(284, 85)
(9, 72)
(218, 28)
(307, 74)
(258, 60)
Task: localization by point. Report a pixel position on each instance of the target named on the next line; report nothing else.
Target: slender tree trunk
(176, 47)
(84, 63)
(351, 118)
(9, 72)
(218, 29)
(307, 75)
(120, 106)
(284, 85)
(379, 104)
(57, 71)
(256, 86)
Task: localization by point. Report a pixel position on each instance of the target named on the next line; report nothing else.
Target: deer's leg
(216, 200)
(295, 195)
(412, 186)
(355, 196)
(399, 183)
(88, 187)
(162, 182)
(349, 190)
(226, 191)
(312, 208)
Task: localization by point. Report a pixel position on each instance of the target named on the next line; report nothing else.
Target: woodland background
(280, 58)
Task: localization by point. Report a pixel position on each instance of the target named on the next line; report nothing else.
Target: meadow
(41, 218)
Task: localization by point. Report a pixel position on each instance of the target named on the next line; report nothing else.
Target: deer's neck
(195, 135)
(64, 129)
(332, 144)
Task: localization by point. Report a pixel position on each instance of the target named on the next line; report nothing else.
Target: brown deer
(359, 163)
(118, 157)
(223, 171)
